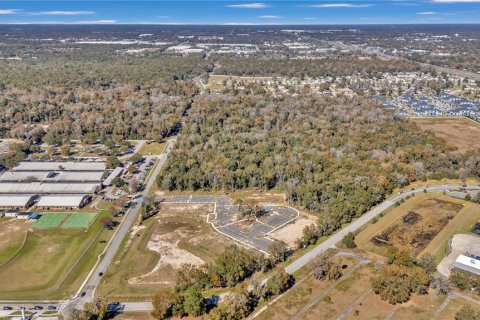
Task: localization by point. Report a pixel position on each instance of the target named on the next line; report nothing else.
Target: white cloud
(257, 5)
(96, 22)
(340, 5)
(269, 17)
(164, 17)
(60, 13)
(427, 13)
(10, 11)
(309, 18)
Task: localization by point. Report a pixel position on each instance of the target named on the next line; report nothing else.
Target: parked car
(52, 308)
(7, 308)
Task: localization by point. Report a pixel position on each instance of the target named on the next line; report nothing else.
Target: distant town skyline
(241, 12)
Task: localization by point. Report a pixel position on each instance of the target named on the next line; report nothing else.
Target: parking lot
(225, 220)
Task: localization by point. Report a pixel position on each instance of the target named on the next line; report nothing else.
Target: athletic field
(50, 220)
(80, 220)
(68, 220)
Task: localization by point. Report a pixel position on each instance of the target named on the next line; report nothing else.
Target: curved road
(93, 279)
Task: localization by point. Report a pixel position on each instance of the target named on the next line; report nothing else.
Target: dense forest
(97, 97)
(313, 68)
(336, 156)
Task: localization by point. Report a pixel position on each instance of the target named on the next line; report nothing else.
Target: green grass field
(50, 220)
(52, 263)
(79, 220)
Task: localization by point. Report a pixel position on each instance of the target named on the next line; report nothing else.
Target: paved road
(224, 221)
(91, 283)
(357, 224)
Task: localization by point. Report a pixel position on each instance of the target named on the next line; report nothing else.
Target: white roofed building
(16, 202)
(48, 188)
(65, 201)
(467, 264)
(60, 166)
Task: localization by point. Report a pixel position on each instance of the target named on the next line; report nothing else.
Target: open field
(422, 223)
(153, 148)
(454, 306)
(350, 298)
(52, 262)
(462, 133)
(154, 251)
(308, 289)
(12, 234)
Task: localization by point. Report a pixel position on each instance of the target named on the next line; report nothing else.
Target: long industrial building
(68, 184)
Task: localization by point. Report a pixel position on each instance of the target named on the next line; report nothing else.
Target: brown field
(454, 306)
(421, 307)
(155, 251)
(345, 293)
(348, 298)
(307, 290)
(461, 133)
(415, 224)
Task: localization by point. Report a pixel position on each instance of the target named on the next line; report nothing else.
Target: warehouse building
(467, 264)
(55, 202)
(59, 184)
(16, 202)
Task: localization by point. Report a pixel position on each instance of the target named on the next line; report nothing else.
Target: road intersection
(93, 280)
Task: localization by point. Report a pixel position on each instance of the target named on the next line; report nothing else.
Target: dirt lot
(414, 224)
(292, 231)
(461, 133)
(461, 244)
(179, 234)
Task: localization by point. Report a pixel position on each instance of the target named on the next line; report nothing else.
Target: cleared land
(52, 262)
(294, 230)
(458, 132)
(422, 223)
(154, 251)
(153, 148)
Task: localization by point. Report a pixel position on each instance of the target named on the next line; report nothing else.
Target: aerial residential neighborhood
(229, 160)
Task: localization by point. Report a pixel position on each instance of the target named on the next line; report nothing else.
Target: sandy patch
(461, 244)
(294, 230)
(171, 256)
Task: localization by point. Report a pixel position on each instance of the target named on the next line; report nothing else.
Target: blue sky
(240, 12)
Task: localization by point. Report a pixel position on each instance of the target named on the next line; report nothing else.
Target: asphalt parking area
(253, 233)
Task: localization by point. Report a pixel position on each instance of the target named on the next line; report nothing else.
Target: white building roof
(60, 165)
(14, 201)
(60, 201)
(39, 188)
(51, 176)
(467, 264)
